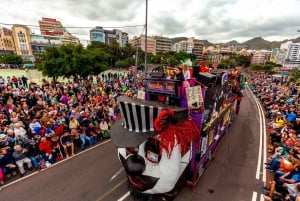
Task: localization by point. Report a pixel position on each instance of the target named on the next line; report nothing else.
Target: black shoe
(30, 169)
(8, 176)
(266, 189)
(22, 174)
(268, 168)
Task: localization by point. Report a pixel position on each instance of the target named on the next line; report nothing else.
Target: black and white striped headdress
(136, 123)
(138, 117)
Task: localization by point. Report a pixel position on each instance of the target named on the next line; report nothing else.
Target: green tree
(12, 59)
(51, 64)
(122, 64)
(295, 73)
(73, 60)
(241, 60)
(295, 76)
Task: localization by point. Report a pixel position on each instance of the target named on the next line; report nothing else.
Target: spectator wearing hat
(6, 142)
(21, 159)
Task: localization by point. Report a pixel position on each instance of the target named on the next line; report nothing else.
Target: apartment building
(163, 44)
(261, 57)
(198, 50)
(68, 38)
(40, 42)
(293, 56)
(115, 35)
(50, 26)
(280, 57)
(184, 45)
(22, 40)
(6, 41)
(191, 46)
(140, 41)
(53, 27)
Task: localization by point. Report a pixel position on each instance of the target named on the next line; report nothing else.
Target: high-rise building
(50, 26)
(140, 42)
(124, 39)
(40, 42)
(155, 44)
(184, 45)
(261, 57)
(117, 36)
(22, 39)
(97, 34)
(6, 41)
(163, 44)
(190, 46)
(109, 36)
(198, 50)
(293, 56)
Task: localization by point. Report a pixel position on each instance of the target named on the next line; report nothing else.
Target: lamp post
(136, 55)
(146, 26)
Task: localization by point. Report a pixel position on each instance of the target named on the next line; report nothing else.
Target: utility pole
(146, 25)
(136, 54)
(136, 61)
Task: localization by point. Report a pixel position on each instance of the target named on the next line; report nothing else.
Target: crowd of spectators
(41, 124)
(281, 101)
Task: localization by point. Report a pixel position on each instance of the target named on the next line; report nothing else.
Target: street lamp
(136, 55)
(146, 26)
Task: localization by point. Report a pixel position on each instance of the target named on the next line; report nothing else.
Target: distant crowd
(281, 101)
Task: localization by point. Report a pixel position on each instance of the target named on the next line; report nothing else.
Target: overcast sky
(212, 20)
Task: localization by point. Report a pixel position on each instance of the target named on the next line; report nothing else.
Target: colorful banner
(194, 97)
(161, 86)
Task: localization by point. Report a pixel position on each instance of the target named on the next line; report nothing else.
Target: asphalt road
(96, 174)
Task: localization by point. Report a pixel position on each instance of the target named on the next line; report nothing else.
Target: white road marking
(36, 172)
(124, 196)
(116, 174)
(260, 140)
(254, 196)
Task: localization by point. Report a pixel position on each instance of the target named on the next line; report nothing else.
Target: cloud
(215, 20)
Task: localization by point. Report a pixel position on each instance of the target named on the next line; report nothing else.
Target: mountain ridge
(256, 43)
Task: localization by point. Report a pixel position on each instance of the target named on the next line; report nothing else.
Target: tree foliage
(73, 60)
(11, 59)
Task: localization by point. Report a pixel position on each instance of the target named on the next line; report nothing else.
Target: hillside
(257, 43)
(178, 39)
